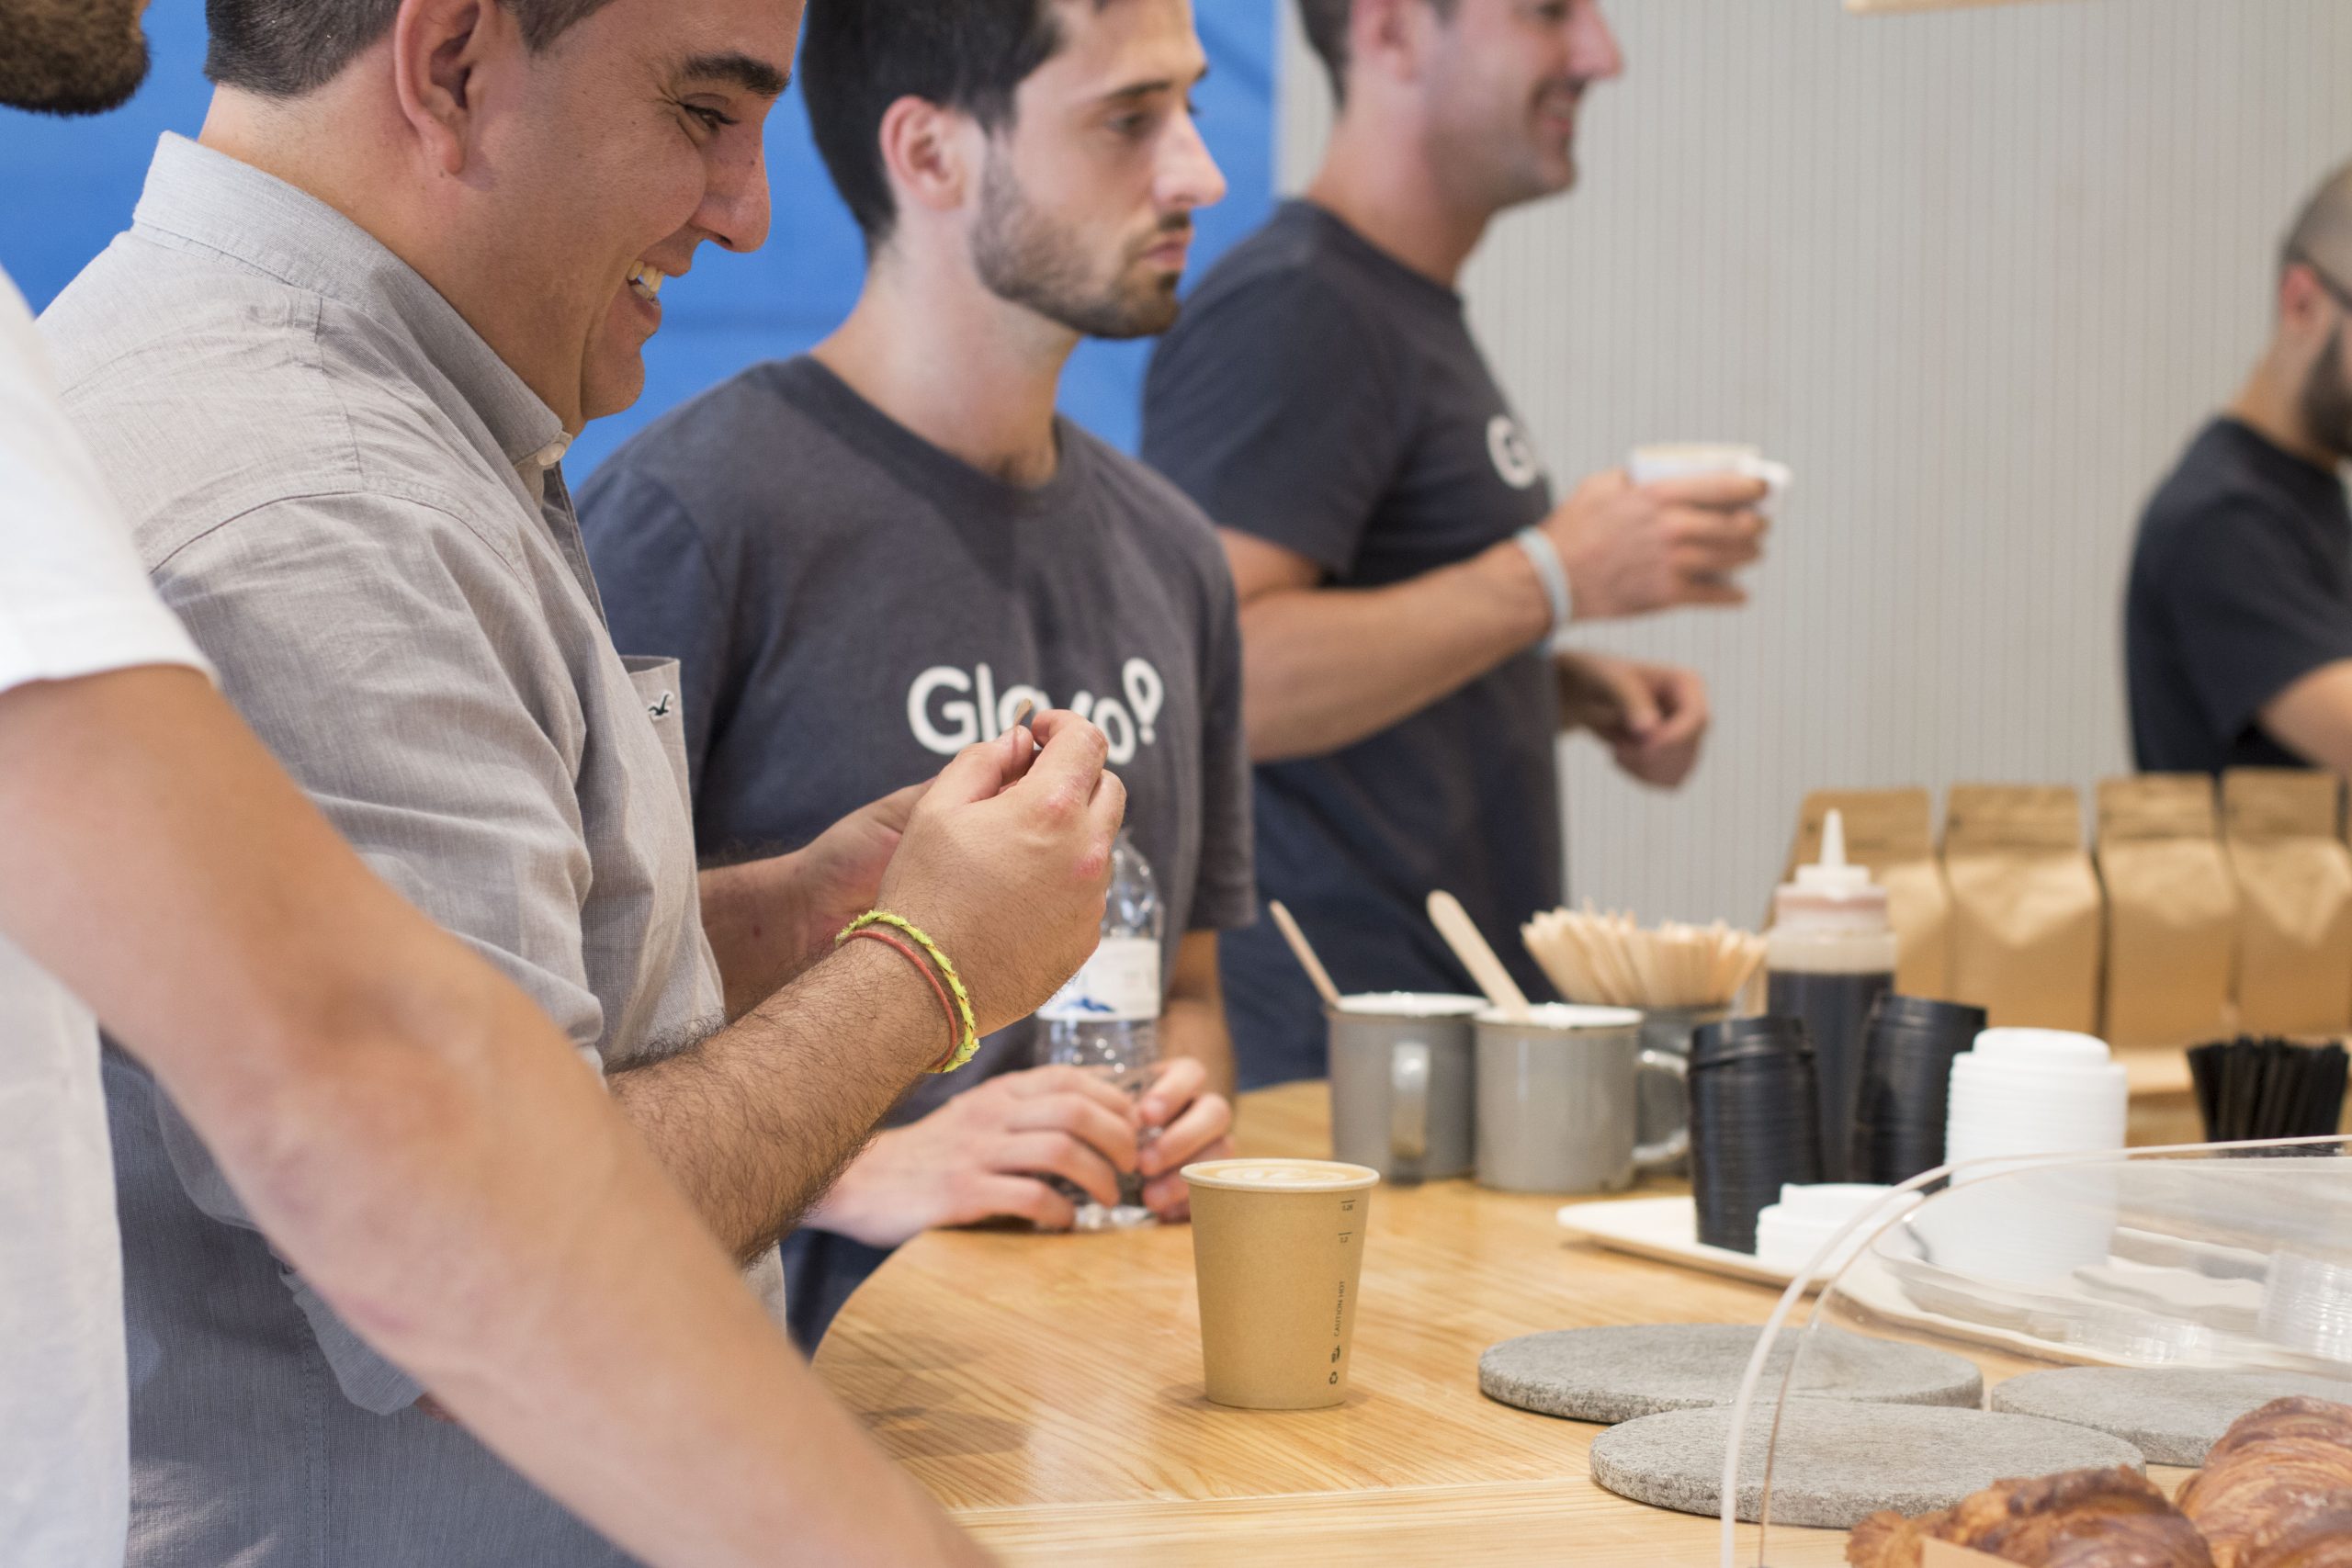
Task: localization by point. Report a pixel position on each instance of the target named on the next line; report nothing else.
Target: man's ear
(439, 48)
(931, 155)
(1388, 37)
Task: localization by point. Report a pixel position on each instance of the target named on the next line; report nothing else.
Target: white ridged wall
(1977, 276)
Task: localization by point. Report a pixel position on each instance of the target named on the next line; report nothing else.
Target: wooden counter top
(1048, 1389)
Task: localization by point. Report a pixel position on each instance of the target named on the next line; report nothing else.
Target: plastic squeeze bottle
(1829, 957)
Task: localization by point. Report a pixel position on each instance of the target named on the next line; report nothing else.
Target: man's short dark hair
(858, 56)
(282, 48)
(1326, 31)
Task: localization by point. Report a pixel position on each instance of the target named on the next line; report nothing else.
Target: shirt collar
(210, 199)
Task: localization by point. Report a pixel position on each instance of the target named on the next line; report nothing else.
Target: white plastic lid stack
(1791, 1232)
(2025, 1092)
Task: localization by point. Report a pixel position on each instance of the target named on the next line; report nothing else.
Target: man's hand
(1006, 859)
(984, 1154)
(1633, 549)
(1653, 717)
(1191, 1124)
(836, 878)
(769, 919)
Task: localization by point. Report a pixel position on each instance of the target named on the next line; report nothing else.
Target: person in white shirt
(416, 1138)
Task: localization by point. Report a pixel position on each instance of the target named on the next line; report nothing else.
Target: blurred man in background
(1401, 565)
(2238, 618)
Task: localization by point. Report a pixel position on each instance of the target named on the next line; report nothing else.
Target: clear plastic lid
(2231, 1258)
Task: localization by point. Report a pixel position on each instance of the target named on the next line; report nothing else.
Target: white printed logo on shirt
(1514, 457)
(949, 708)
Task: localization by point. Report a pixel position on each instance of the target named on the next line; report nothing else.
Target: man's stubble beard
(69, 57)
(1026, 258)
(2325, 405)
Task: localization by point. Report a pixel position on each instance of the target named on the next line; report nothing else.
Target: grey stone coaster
(1618, 1374)
(2173, 1416)
(1837, 1463)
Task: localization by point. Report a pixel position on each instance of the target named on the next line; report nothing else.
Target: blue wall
(67, 187)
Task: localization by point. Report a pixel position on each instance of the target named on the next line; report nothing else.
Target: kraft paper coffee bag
(1892, 832)
(2027, 920)
(2172, 911)
(2294, 886)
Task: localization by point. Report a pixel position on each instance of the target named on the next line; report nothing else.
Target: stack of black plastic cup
(1755, 1123)
(1907, 1053)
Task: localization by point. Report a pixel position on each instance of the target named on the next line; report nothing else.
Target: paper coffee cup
(1687, 459)
(1278, 1252)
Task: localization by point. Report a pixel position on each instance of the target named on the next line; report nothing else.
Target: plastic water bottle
(1107, 1018)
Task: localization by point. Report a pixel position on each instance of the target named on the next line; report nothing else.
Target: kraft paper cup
(1278, 1252)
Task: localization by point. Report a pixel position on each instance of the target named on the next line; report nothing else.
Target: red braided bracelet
(946, 1004)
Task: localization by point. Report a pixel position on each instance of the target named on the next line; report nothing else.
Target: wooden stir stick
(1302, 951)
(1461, 934)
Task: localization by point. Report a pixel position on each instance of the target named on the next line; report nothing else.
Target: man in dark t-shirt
(2238, 619)
(871, 557)
(1402, 565)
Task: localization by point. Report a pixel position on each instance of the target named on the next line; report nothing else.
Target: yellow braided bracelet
(970, 1044)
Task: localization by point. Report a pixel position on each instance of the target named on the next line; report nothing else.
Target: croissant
(2319, 1537)
(2084, 1519)
(2273, 1471)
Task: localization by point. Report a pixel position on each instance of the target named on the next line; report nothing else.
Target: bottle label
(1119, 983)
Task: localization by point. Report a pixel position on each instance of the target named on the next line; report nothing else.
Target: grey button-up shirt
(353, 504)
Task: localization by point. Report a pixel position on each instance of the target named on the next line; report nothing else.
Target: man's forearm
(1324, 668)
(419, 1141)
(755, 1121)
(758, 929)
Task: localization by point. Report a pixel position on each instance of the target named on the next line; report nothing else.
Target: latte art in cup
(1283, 1175)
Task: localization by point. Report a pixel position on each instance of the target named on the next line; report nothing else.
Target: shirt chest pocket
(656, 681)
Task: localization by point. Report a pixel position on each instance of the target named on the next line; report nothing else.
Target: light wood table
(1048, 1390)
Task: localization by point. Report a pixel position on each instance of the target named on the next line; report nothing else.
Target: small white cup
(1687, 459)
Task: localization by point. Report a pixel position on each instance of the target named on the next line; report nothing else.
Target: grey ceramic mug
(1559, 1099)
(1401, 1078)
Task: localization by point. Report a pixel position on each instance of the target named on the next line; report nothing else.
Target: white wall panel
(1977, 276)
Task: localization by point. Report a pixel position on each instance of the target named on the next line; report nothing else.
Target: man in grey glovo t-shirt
(1401, 563)
(870, 557)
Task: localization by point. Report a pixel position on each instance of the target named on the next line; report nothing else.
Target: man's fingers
(1022, 1198)
(1108, 808)
(894, 810)
(1716, 492)
(1710, 591)
(1110, 1134)
(1058, 1153)
(1637, 711)
(1687, 713)
(1072, 755)
(1088, 1083)
(1170, 1199)
(1203, 1123)
(1179, 1083)
(977, 772)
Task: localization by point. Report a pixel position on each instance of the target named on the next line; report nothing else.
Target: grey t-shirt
(1319, 394)
(852, 606)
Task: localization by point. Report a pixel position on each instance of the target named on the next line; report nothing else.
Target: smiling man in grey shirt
(331, 372)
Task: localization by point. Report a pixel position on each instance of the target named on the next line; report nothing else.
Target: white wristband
(1544, 557)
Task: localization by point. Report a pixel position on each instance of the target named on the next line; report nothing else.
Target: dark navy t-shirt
(2241, 586)
(1322, 395)
(852, 606)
